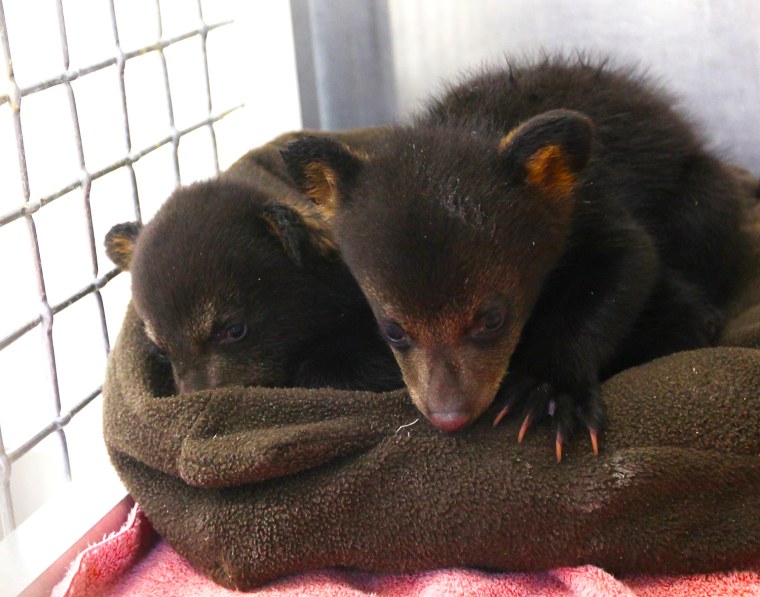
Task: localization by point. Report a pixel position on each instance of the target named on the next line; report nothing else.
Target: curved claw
(558, 447)
(502, 413)
(526, 423)
(594, 440)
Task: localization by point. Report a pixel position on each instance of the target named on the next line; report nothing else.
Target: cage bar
(31, 205)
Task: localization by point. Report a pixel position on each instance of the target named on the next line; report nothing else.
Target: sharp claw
(526, 423)
(502, 413)
(558, 447)
(594, 441)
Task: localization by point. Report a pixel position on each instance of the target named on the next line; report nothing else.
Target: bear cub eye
(489, 324)
(158, 353)
(234, 332)
(396, 335)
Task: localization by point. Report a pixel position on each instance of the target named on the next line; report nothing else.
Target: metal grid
(31, 205)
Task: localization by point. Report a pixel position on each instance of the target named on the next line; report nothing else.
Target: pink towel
(124, 565)
(103, 563)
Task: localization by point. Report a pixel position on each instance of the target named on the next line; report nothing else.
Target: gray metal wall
(373, 61)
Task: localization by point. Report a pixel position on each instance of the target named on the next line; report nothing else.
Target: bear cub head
(450, 235)
(237, 289)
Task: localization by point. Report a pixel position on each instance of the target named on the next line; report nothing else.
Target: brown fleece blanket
(250, 483)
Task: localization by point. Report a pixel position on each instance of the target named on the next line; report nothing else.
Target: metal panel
(374, 61)
(345, 69)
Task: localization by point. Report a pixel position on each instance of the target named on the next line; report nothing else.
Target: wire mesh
(32, 205)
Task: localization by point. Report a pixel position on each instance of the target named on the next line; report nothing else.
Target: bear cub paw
(537, 401)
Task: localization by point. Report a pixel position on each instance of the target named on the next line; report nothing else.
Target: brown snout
(450, 392)
(192, 380)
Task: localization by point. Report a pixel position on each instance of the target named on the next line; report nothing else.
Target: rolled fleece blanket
(249, 484)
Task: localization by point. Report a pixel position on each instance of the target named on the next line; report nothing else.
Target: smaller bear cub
(237, 288)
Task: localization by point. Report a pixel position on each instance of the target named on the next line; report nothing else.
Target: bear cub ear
(321, 166)
(287, 227)
(298, 233)
(549, 151)
(120, 243)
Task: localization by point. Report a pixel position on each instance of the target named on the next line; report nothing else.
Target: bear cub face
(450, 237)
(235, 289)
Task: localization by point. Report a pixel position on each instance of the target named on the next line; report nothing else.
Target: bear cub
(535, 230)
(238, 283)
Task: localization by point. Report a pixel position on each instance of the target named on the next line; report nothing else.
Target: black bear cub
(238, 283)
(535, 230)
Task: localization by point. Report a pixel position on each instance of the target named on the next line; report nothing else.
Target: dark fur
(222, 253)
(442, 224)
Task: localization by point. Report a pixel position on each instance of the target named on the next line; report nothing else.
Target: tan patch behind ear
(507, 139)
(548, 171)
(315, 226)
(120, 245)
(322, 187)
(123, 248)
(319, 233)
(274, 228)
